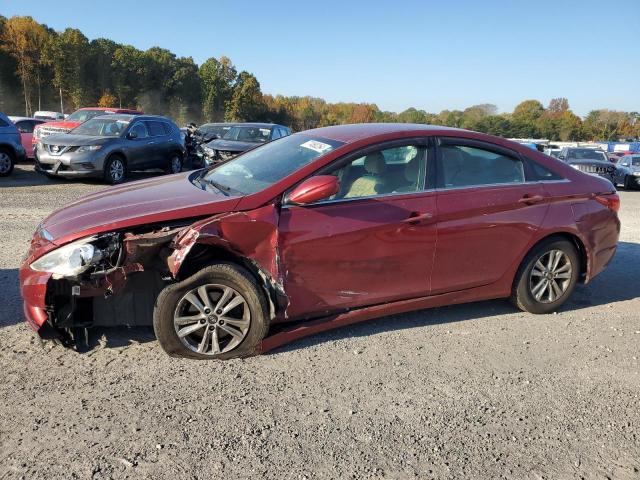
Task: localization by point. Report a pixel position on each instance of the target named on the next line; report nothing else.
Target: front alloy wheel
(219, 312)
(212, 319)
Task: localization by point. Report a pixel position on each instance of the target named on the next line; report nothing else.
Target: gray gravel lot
(471, 391)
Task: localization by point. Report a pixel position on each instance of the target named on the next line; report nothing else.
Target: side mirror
(561, 157)
(132, 135)
(314, 189)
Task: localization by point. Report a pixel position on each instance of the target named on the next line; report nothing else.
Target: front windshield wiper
(223, 188)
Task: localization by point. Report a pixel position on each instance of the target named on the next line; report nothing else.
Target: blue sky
(430, 55)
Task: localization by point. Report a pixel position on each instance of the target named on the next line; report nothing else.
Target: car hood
(600, 163)
(154, 200)
(232, 145)
(62, 124)
(76, 140)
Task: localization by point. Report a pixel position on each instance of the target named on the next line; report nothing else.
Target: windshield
(84, 115)
(101, 127)
(210, 130)
(262, 167)
(586, 154)
(248, 134)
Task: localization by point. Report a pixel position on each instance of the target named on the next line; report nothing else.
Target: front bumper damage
(122, 290)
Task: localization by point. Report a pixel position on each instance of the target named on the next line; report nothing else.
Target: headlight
(89, 148)
(70, 260)
(209, 151)
(576, 167)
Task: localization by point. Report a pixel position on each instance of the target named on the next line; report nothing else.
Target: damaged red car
(317, 230)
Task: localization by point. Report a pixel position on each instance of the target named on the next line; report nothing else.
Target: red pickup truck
(75, 119)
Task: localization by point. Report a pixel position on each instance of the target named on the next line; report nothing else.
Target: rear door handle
(531, 199)
(417, 217)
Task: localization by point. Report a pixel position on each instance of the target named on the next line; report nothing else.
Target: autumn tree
(23, 38)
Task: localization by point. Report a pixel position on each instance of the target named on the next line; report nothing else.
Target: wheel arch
(563, 235)
(202, 255)
(10, 148)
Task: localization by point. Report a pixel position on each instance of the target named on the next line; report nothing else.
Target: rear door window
(466, 166)
(140, 130)
(25, 126)
(155, 129)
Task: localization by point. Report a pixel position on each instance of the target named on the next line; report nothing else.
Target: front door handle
(531, 199)
(416, 217)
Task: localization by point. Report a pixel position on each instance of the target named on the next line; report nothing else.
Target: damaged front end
(103, 280)
(114, 279)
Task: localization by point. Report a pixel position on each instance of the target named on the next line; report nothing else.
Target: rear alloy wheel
(115, 170)
(6, 163)
(175, 164)
(547, 277)
(220, 312)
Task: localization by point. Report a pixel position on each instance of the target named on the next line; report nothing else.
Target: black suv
(242, 137)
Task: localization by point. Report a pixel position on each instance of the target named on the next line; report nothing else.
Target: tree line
(41, 69)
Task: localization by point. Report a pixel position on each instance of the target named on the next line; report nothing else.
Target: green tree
(128, 71)
(68, 55)
(217, 77)
(528, 112)
(246, 102)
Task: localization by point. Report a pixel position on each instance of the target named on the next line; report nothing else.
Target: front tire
(217, 313)
(547, 277)
(115, 170)
(7, 162)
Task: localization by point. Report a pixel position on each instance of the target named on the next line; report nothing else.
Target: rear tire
(115, 170)
(196, 304)
(175, 164)
(7, 162)
(547, 277)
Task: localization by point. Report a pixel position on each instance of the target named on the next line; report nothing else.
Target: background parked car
(25, 126)
(589, 160)
(11, 150)
(109, 146)
(49, 116)
(628, 171)
(75, 119)
(242, 137)
(211, 131)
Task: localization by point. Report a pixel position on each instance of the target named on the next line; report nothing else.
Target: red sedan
(317, 230)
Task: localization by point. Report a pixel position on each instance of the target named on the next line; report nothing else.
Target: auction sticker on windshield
(316, 146)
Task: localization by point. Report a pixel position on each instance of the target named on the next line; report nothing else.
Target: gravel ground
(471, 391)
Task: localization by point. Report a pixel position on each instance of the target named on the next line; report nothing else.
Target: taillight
(609, 200)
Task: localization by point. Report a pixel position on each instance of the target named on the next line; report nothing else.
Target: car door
(139, 147)
(371, 243)
(25, 127)
(488, 212)
(159, 144)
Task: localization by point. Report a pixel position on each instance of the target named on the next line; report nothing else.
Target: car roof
(258, 125)
(127, 117)
(353, 132)
(110, 109)
(15, 119)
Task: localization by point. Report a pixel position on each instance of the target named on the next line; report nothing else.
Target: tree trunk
(39, 92)
(26, 101)
(61, 106)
